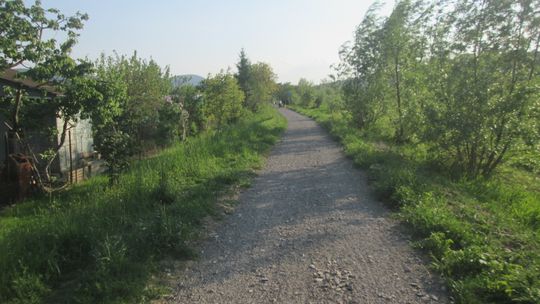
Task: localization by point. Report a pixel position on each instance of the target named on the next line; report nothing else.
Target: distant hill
(191, 79)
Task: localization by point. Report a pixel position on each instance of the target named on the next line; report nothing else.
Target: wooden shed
(76, 159)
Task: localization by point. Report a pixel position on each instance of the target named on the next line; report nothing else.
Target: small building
(76, 159)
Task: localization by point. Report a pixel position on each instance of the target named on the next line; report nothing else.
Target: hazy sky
(298, 38)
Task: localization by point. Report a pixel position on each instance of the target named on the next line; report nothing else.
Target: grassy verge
(95, 244)
(483, 235)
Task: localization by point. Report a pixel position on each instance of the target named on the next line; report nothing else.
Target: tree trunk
(398, 98)
(13, 134)
(57, 149)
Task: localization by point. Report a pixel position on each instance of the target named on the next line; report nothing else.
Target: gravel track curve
(308, 230)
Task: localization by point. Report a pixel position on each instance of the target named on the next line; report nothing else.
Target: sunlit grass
(96, 244)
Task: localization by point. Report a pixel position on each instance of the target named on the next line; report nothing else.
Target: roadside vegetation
(439, 103)
(170, 152)
(96, 243)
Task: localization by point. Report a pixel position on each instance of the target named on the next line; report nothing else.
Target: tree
(191, 99)
(487, 83)
(131, 109)
(305, 93)
(261, 85)
(147, 86)
(105, 110)
(403, 50)
(364, 89)
(47, 61)
(222, 99)
(285, 92)
(243, 74)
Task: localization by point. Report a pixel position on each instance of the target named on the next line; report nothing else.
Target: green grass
(483, 235)
(99, 244)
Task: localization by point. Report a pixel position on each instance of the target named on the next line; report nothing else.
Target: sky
(298, 38)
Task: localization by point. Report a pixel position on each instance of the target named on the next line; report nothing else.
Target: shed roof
(10, 76)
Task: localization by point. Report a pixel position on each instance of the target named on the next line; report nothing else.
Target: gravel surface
(308, 231)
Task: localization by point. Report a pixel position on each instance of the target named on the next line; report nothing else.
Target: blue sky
(298, 38)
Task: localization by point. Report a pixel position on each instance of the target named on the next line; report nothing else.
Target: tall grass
(483, 235)
(99, 244)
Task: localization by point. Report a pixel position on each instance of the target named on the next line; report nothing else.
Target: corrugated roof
(10, 75)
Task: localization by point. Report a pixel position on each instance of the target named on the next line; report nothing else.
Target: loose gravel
(308, 231)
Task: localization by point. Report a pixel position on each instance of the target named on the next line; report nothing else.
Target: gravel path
(308, 231)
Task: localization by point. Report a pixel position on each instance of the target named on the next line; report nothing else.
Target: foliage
(457, 83)
(305, 94)
(242, 76)
(147, 85)
(488, 88)
(261, 86)
(191, 100)
(110, 139)
(482, 234)
(47, 61)
(101, 244)
(23, 29)
(222, 99)
(257, 81)
(461, 77)
(285, 92)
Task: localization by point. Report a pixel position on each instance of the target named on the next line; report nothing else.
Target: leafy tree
(329, 95)
(106, 111)
(190, 98)
(364, 89)
(285, 92)
(487, 83)
(403, 50)
(305, 93)
(147, 86)
(173, 123)
(23, 44)
(222, 99)
(132, 113)
(461, 75)
(261, 85)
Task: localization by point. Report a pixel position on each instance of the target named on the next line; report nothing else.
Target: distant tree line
(461, 76)
(131, 101)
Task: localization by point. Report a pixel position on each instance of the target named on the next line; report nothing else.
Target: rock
(312, 267)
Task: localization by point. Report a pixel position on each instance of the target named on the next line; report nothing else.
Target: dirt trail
(308, 231)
